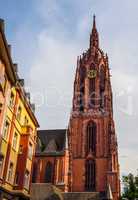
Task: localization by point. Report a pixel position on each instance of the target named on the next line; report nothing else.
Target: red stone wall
(106, 155)
(60, 169)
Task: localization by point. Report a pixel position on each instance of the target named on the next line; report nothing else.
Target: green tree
(130, 183)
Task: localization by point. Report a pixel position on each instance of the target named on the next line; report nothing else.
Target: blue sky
(46, 38)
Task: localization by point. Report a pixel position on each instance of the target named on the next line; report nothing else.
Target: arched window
(60, 171)
(92, 87)
(102, 79)
(35, 171)
(82, 87)
(90, 175)
(49, 173)
(102, 87)
(91, 138)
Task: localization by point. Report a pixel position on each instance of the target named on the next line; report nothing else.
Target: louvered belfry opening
(90, 175)
(102, 87)
(82, 88)
(91, 138)
(92, 94)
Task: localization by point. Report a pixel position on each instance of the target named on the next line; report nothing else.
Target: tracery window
(35, 171)
(60, 171)
(91, 138)
(92, 85)
(90, 175)
(82, 88)
(49, 173)
(102, 87)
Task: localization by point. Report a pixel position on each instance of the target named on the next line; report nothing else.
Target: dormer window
(11, 103)
(19, 113)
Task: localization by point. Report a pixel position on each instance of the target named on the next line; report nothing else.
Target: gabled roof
(51, 142)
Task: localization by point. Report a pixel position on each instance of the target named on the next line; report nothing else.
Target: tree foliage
(130, 183)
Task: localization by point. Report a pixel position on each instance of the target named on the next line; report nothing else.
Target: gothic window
(49, 173)
(82, 88)
(90, 175)
(91, 138)
(102, 79)
(82, 74)
(60, 171)
(102, 87)
(35, 171)
(92, 88)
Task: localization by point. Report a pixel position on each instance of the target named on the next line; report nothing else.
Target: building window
(27, 179)
(102, 87)
(30, 151)
(10, 172)
(11, 103)
(35, 171)
(25, 121)
(21, 149)
(3, 82)
(15, 141)
(1, 165)
(91, 138)
(6, 130)
(92, 94)
(60, 172)
(90, 175)
(102, 79)
(16, 181)
(49, 173)
(82, 88)
(19, 112)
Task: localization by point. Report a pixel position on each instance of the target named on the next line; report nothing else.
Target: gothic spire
(94, 22)
(94, 37)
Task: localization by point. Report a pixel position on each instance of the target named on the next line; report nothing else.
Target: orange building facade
(18, 128)
(93, 149)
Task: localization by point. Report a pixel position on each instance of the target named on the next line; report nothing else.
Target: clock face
(92, 73)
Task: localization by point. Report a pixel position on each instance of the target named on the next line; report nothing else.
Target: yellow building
(18, 126)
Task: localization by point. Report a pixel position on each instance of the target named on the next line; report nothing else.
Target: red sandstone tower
(92, 140)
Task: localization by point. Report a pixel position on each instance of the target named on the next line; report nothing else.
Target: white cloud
(52, 74)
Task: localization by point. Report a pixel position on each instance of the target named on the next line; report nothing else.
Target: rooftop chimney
(9, 47)
(15, 67)
(2, 25)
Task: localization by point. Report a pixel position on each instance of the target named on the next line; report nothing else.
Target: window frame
(91, 137)
(10, 172)
(27, 179)
(5, 132)
(19, 113)
(15, 142)
(12, 99)
(1, 165)
(30, 151)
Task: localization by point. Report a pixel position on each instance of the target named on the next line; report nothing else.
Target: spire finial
(94, 21)
(94, 38)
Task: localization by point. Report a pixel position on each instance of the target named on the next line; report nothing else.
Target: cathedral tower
(92, 139)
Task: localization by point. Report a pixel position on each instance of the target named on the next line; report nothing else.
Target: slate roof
(51, 142)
